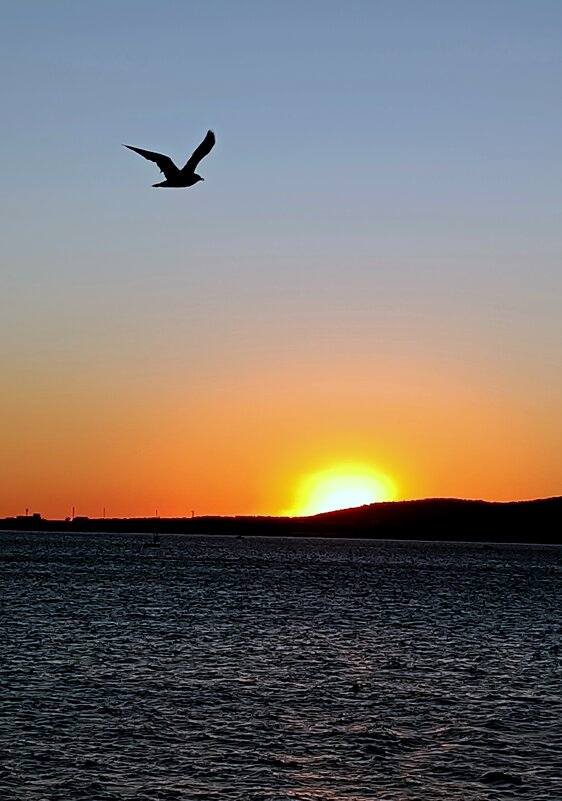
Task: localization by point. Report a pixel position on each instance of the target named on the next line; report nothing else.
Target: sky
(367, 283)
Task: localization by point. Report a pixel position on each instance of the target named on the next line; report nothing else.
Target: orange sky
(135, 444)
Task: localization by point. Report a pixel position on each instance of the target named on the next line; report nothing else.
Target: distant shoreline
(538, 521)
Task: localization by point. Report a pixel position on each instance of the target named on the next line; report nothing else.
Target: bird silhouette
(187, 175)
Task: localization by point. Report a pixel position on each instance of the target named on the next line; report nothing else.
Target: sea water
(314, 669)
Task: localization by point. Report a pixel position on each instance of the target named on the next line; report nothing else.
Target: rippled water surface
(216, 668)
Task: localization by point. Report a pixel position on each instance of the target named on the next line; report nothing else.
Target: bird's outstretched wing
(165, 163)
(200, 152)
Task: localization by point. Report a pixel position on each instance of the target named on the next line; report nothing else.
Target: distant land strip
(444, 519)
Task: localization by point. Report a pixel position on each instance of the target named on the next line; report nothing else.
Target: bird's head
(197, 177)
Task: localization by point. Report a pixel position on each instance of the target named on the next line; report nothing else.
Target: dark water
(215, 668)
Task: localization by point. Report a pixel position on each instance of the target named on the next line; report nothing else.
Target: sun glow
(342, 487)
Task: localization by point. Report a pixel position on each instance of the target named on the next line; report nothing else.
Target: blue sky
(386, 184)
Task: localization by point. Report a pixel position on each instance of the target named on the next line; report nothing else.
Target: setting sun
(342, 487)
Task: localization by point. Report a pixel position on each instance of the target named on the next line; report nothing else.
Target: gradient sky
(371, 272)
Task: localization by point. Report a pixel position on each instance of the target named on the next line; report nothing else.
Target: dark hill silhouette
(455, 519)
(538, 521)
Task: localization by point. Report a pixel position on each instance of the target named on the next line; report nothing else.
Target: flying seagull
(187, 175)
